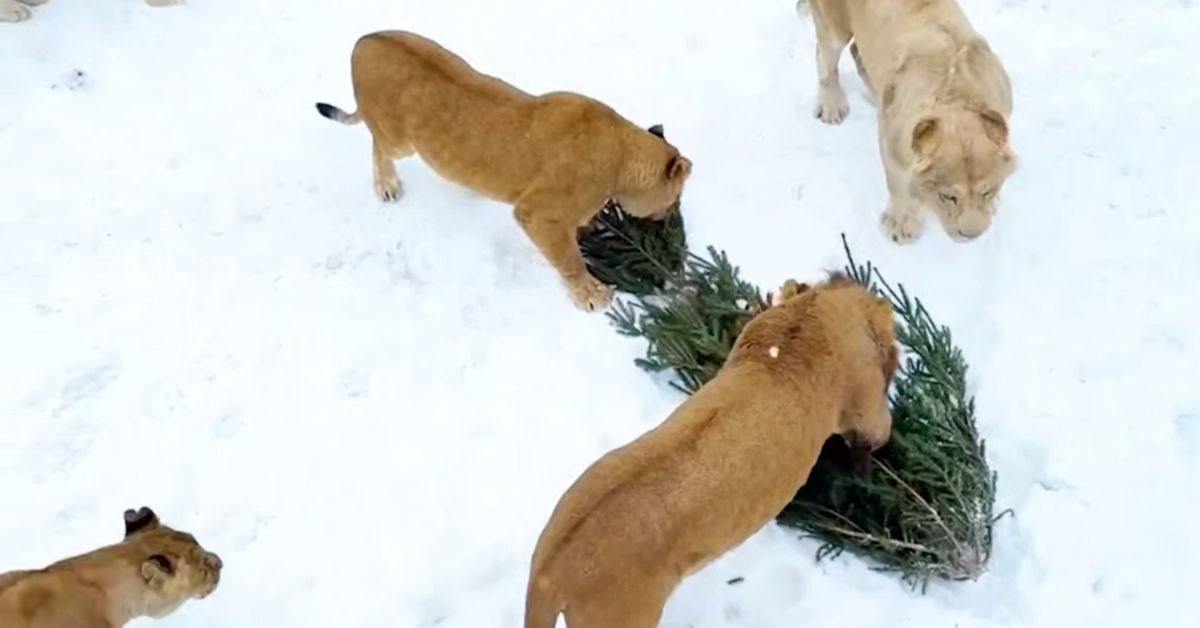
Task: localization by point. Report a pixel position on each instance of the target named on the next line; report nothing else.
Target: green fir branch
(636, 254)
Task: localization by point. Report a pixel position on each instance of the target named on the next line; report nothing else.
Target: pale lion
(943, 101)
(557, 158)
(723, 464)
(151, 573)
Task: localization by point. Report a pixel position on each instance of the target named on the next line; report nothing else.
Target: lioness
(556, 157)
(644, 516)
(150, 573)
(943, 101)
(18, 10)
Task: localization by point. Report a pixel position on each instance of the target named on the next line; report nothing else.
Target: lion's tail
(337, 115)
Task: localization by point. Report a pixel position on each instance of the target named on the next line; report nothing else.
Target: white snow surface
(369, 410)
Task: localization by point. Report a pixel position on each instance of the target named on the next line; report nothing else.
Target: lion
(556, 158)
(150, 573)
(943, 101)
(18, 10)
(816, 363)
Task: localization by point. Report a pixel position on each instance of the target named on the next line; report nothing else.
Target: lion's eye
(949, 198)
(989, 194)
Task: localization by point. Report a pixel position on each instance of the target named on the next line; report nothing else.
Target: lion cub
(723, 464)
(943, 102)
(556, 157)
(150, 573)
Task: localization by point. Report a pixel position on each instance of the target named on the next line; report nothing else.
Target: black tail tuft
(337, 115)
(327, 110)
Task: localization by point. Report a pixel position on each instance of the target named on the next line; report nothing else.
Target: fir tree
(924, 506)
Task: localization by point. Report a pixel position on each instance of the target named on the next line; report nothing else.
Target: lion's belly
(475, 143)
(478, 168)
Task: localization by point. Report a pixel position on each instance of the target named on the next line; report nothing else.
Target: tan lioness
(556, 157)
(153, 571)
(18, 10)
(723, 464)
(943, 101)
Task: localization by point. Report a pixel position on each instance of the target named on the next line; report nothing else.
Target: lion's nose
(215, 562)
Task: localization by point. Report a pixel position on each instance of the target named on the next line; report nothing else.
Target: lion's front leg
(902, 221)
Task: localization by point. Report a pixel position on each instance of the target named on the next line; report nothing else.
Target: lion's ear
(925, 136)
(157, 571)
(678, 167)
(789, 289)
(995, 126)
(140, 519)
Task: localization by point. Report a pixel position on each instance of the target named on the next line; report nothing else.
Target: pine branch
(635, 254)
(693, 330)
(925, 508)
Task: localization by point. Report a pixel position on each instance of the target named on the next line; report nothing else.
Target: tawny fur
(943, 103)
(153, 571)
(722, 465)
(18, 10)
(556, 157)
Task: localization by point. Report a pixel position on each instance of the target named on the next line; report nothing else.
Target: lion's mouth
(212, 574)
(961, 236)
(214, 580)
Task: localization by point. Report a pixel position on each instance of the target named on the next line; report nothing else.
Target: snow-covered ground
(370, 410)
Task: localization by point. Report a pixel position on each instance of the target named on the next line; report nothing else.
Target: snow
(369, 411)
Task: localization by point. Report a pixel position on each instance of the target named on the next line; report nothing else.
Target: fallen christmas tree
(924, 508)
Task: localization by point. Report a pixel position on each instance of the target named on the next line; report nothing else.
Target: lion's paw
(902, 228)
(832, 107)
(389, 190)
(590, 295)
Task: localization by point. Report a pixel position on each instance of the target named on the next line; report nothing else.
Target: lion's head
(172, 564)
(654, 176)
(865, 324)
(962, 159)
